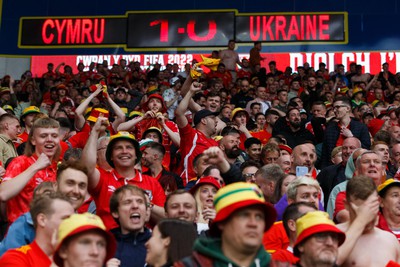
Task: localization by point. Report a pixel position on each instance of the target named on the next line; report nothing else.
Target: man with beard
(194, 140)
(318, 240)
(230, 145)
(152, 158)
(271, 116)
(294, 132)
(337, 131)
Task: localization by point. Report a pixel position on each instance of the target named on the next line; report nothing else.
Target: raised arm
(365, 214)
(130, 125)
(181, 119)
(11, 188)
(80, 110)
(118, 112)
(175, 138)
(89, 151)
(193, 106)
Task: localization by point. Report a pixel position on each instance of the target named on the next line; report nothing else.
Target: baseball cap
(203, 181)
(174, 80)
(202, 114)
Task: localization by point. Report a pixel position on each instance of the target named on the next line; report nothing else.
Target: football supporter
(122, 154)
(37, 165)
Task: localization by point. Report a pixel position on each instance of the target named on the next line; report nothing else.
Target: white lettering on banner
(363, 59)
(371, 61)
(180, 59)
(296, 59)
(347, 58)
(116, 59)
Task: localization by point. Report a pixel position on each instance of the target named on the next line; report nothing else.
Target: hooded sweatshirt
(211, 248)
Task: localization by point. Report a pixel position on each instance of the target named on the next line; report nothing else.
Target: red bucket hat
(145, 105)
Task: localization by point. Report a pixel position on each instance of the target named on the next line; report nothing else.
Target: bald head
(349, 145)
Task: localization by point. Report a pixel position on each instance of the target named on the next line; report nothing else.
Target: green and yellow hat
(79, 223)
(8, 107)
(315, 222)
(122, 136)
(30, 110)
(135, 113)
(236, 196)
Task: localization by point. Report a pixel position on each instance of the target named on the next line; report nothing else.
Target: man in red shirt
(47, 213)
(194, 141)
(389, 215)
(122, 153)
(39, 164)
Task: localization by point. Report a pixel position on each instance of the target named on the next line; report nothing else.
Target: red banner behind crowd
(371, 61)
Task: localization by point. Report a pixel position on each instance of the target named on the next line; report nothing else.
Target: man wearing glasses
(341, 128)
(318, 240)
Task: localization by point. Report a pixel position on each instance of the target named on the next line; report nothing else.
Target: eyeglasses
(339, 106)
(323, 237)
(249, 175)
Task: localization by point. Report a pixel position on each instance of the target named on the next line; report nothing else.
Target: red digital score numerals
(288, 28)
(190, 30)
(73, 31)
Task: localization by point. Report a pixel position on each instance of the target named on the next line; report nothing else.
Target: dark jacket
(329, 177)
(293, 138)
(332, 133)
(208, 253)
(131, 250)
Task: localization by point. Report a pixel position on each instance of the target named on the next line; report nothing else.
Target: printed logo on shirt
(111, 188)
(24, 249)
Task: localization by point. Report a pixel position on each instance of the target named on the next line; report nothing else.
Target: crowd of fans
(230, 165)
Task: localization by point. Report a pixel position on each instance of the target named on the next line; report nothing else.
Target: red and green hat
(233, 197)
(122, 136)
(315, 222)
